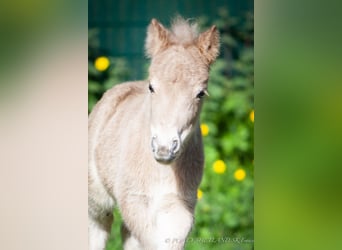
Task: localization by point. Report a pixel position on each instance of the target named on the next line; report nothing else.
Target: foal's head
(178, 78)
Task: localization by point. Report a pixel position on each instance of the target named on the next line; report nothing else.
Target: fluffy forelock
(183, 31)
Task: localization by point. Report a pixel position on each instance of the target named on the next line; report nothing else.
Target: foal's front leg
(173, 222)
(99, 230)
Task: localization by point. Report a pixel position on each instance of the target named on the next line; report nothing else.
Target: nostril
(174, 145)
(153, 144)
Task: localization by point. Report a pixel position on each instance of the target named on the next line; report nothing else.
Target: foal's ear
(157, 38)
(209, 44)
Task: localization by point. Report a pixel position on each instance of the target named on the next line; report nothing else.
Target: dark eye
(150, 88)
(200, 94)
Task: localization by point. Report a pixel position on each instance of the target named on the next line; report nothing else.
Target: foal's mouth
(165, 161)
(164, 157)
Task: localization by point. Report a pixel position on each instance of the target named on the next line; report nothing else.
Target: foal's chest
(163, 189)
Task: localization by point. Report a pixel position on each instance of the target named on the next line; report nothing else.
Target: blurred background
(43, 119)
(117, 30)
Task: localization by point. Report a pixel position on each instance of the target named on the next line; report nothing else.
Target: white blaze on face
(173, 112)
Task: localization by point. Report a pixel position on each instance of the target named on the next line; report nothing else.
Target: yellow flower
(251, 115)
(219, 167)
(204, 129)
(199, 194)
(102, 63)
(239, 174)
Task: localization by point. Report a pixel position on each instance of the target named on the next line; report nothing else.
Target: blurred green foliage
(224, 216)
(226, 209)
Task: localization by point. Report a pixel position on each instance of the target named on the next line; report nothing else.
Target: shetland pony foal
(145, 145)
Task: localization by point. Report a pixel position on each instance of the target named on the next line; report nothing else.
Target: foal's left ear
(209, 44)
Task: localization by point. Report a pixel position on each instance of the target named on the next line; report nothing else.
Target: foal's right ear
(157, 38)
